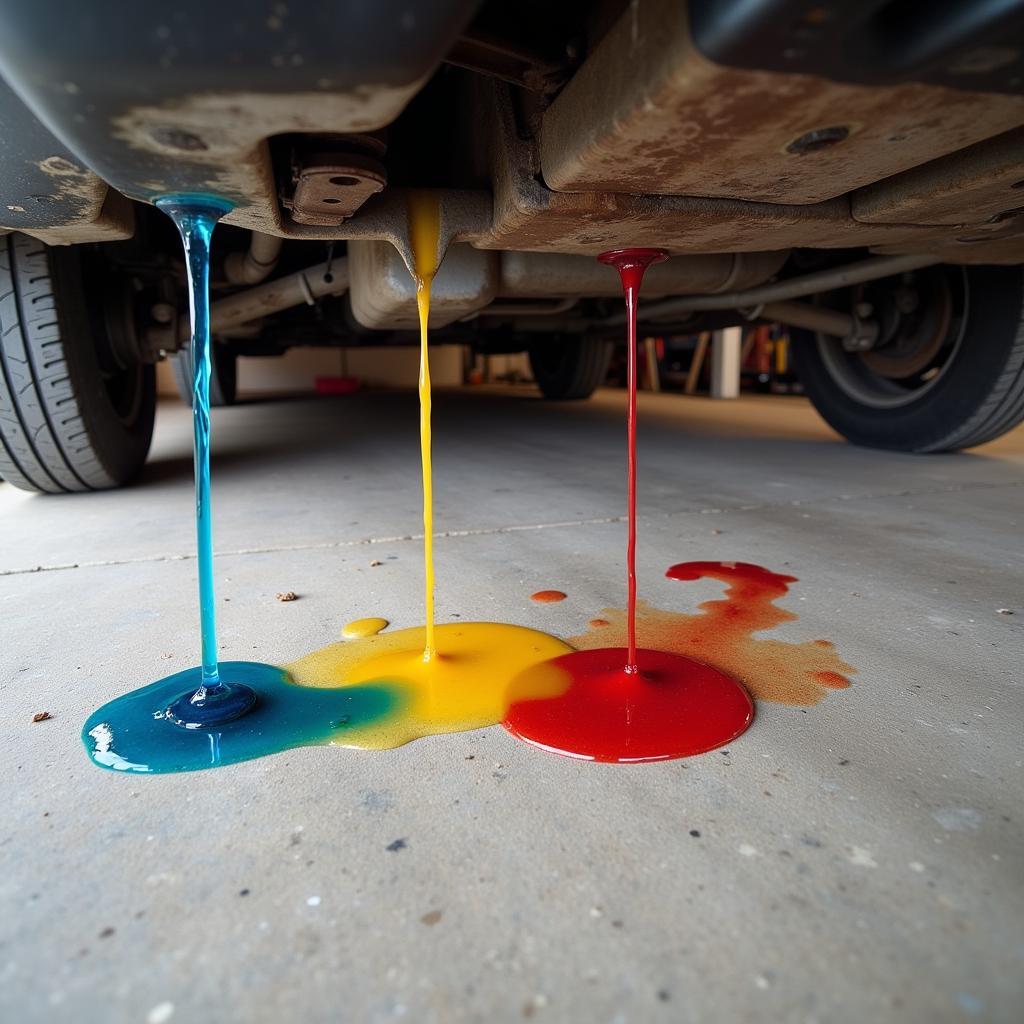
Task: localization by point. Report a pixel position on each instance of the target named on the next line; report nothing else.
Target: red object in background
(763, 350)
(336, 385)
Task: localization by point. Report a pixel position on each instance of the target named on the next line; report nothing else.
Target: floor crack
(514, 528)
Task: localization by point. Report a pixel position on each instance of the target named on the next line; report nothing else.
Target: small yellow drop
(359, 628)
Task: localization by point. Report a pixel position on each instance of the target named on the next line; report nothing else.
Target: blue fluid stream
(195, 218)
(215, 700)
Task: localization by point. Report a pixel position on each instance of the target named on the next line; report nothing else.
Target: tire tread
(58, 433)
(586, 365)
(981, 403)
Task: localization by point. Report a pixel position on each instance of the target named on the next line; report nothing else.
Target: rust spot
(58, 165)
(176, 138)
(818, 139)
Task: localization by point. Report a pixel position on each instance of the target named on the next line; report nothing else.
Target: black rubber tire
(60, 429)
(223, 375)
(979, 396)
(570, 368)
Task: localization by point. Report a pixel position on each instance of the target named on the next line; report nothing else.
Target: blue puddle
(134, 734)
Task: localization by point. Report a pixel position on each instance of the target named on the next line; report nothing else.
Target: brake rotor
(916, 339)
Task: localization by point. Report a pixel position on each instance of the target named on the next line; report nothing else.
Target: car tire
(223, 375)
(72, 417)
(570, 368)
(967, 381)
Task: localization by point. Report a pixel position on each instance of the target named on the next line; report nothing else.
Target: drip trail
(424, 232)
(215, 700)
(631, 264)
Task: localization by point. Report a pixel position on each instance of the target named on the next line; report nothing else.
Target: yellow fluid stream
(424, 235)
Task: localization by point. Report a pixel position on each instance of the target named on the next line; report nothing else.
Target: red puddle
(670, 707)
(548, 596)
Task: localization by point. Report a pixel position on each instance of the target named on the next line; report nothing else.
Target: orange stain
(598, 623)
(547, 596)
(723, 635)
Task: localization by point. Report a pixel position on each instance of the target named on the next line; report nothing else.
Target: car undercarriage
(852, 171)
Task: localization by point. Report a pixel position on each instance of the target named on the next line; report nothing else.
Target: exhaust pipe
(792, 288)
(304, 286)
(257, 263)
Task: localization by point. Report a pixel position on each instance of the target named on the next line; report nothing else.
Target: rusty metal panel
(648, 113)
(969, 187)
(528, 216)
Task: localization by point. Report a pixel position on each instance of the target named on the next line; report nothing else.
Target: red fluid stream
(631, 264)
(628, 704)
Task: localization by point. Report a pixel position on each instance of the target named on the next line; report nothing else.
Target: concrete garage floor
(861, 860)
